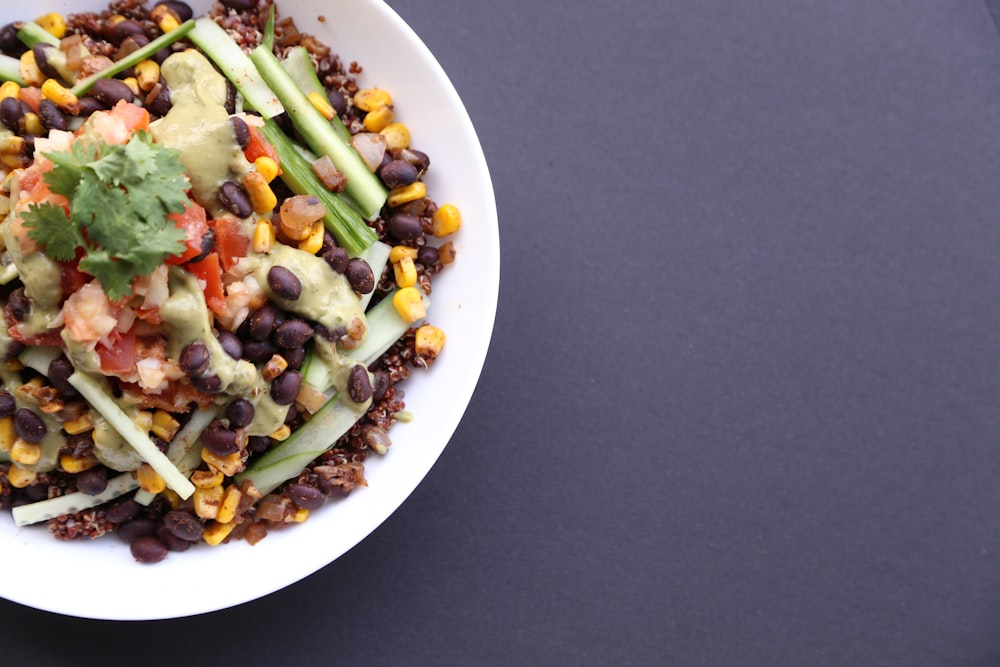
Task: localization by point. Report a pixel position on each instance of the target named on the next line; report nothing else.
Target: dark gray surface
(742, 405)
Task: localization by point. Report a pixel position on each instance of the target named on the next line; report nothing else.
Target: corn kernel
(262, 197)
(8, 435)
(429, 340)
(30, 72)
(133, 85)
(164, 425)
(206, 479)
(116, 18)
(230, 503)
(263, 236)
(216, 532)
(405, 272)
(81, 424)
(168, 23)
(274, 367)
(172, 498)
(62, 96)
(144, 420)
(266, 167)
(147, 74)
(53, 23)
(25, 453)
(282, 433)
(150, 480)
(378, 119)
(228, 465)
(446, 220)
(9, 89)
(74, 465)
(369, 99)
(314, 242)
(406, 194)
(409, 303)
(19, 477)
(33, 124)
(206, 502)
(396, 136)
(398, 252)
(322, 105)
(301, 514)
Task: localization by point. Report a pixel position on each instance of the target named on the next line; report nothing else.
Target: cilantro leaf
(50, 225)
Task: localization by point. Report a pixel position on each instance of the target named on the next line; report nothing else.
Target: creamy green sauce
(198, 126)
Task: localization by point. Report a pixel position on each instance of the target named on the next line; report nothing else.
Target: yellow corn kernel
(206, 502)
(406, 194)
(282, 433)
(396, 136)
(164, 425)
(322, 105)
(301, 514)
(19, 477)
(378, 119)
(74, 465)
(312, 243)
(263, 236)
(25, 453)
(262, 197)
(168, 22)
(53, 23)
(230, 502)
(8, 435)
(266, 167)
(216, 532)
(116, 18)
(150, 480)
(62, 96)
(274, 367)
(147, 74)
(405, 272)
(33, 124)
(30, 73)
(132, 84)
(429, 340)
(446, 220)
(9, 89)
(369, 99)
(144, 420)
(172, 498)
(398, 252)
(81, 424)
(409, 303)
(228, 465)
(206, 479)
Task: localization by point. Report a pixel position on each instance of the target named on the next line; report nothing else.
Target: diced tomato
(119, 359)
(135, 117)
(194, 222)
(258, 146)
(230, 241)
(31, 95)
(71, 277)
(209, 271)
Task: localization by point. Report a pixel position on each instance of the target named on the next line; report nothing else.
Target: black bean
(160, 443)
(183, 525)
(329, 241)
(182, 9)
(52, 116)
(258, 443)
(230, 97)
(9, 43)
(381, 383)
(20, 305)
(284, 283)
(292, 334)
(405, 227)
(122, 511)
(59, 371)
(240, 130)
(165, 53)
(207, 246)
(135, 528)
(127, 28)
(359, 275)
(171, 541)
(230, 343)
(111, 91)
(40, 52)
(240, 413)
(148, 549)
(210, 384)
(11, 114)
(92, 481)
(130, 45)
(158, 99)
(418, 159)
(261, 322)
(285, 387)
(194, 358)
(219, 440)
(295, 357)
(359, 386)
(337, 101)
(239, 5)
(14, 348)
(29, 425)
(398, 173)
(306, 497)
(7, 403)
(337, 258)
(88, 105)
(235, 199)
(428, 255)
(259, 351)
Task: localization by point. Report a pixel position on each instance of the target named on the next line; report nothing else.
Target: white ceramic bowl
(464, 305)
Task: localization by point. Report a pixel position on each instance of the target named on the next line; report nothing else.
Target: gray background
(742, 403)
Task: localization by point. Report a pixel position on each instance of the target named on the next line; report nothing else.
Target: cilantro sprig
(119, 199)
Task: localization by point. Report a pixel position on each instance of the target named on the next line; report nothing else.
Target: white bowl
(464, 305)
